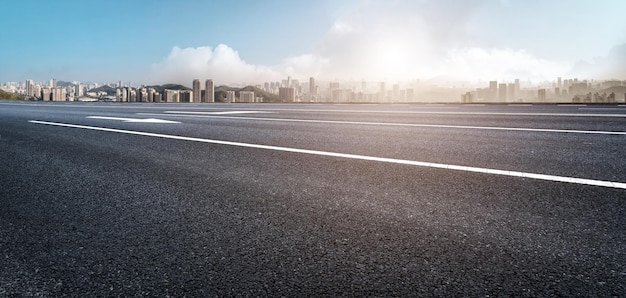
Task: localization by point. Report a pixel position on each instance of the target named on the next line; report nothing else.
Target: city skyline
(352, 40)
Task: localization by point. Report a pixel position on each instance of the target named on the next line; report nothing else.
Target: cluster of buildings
(48, 91)
(290, 90)
(293, 91)
(568, 90)
(149, 94)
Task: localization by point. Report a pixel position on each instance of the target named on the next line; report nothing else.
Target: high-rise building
(410, 94)
(287, 94)
(541, 95)
(79, 89)
(396, 92)
(46, 94)
(209, 91)
(517, 88)
(382, 92)
(510, 90)
(30, 88)
(186, 95)
(196, 91)
(171, 95)
(502, 92)
(246, 96)
(493, 89)
(311, 85)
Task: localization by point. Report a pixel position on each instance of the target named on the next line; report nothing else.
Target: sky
(240, 42)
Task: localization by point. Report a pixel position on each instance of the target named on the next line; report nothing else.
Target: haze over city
(251, 42)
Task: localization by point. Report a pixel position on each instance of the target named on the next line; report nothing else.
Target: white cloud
(222, 64)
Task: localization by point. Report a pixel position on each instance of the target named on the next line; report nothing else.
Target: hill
(108, 89)
(161, 88)
(619, 90)
(220, 93)
(9, 95)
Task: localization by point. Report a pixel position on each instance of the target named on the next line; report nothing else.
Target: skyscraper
(502, 92)
(196, 90)
(30, 88)
(209, 91)
(493, 89)
(311, 85)
(510, 92)
(286, 94)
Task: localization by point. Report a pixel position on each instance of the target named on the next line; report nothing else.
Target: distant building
(171, 95)
(311, 85)
(468, 97)
(246, 96)
(395, 95)
(541, 95)
(209, 91)
(410, 94)
(46, 94)
(196, 90)
(510, 90)
(287, 94)
(502, 92)
(331, 88)
(58, 94)
(30, 88)
(186, 96)
(493, 90)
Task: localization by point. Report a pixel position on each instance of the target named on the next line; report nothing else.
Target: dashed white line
(197, 115)
(554, 178)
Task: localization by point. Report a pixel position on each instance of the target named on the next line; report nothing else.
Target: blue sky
(155, 41)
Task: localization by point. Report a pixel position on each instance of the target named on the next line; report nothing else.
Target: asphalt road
(312, 200)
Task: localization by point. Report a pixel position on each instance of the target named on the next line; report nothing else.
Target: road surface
(112, 199)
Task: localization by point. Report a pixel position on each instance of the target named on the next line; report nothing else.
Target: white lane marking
(236, 112)
(574, 180)
(427, 112)
(133, 120)
(571, 105)
(519, 105)
(400, 124)
(618, 108)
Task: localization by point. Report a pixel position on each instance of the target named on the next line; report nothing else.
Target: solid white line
(574, 180)
(397, 124)
(428, 112)
(236, 112)
(618, 108)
